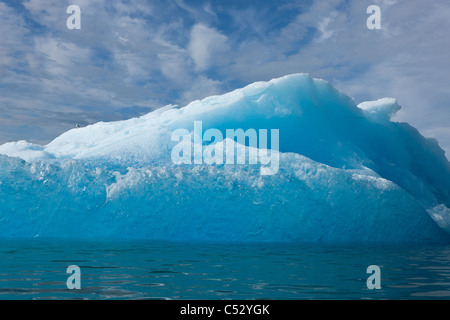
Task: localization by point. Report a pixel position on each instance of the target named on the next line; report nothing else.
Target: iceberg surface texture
(346, 173)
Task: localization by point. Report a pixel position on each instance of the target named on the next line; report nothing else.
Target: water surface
(36, 269)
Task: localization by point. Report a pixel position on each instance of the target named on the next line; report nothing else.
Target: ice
(346, 172)
(381, 110)
(25, 150)
(441, 214)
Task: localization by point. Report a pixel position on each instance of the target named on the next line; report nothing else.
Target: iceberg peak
(382, 110)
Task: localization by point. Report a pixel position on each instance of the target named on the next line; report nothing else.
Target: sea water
(120, 269)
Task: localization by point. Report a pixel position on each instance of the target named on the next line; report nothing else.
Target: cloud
(13, 32)
(60, 57)
(324, 27)
(204, 44)
(202, 87)
(47, 12)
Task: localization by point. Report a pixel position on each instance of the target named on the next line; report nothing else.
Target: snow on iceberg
(346, 173)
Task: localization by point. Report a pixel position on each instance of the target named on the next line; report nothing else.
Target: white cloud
(323, 25)
(205, 43)
(50, 13)
(61, 57)
(202, 87)
(13, 33)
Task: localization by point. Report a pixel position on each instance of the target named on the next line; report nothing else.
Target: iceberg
(346, 173)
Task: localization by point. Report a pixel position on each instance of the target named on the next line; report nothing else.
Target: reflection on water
(36, 269)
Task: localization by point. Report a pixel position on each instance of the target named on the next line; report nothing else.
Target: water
(36, 269)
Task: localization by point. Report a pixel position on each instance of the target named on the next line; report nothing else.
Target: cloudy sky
(133, 56)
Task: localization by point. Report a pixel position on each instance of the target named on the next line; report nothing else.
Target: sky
(133, 56)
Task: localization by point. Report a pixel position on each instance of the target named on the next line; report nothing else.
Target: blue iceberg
(346, 172)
